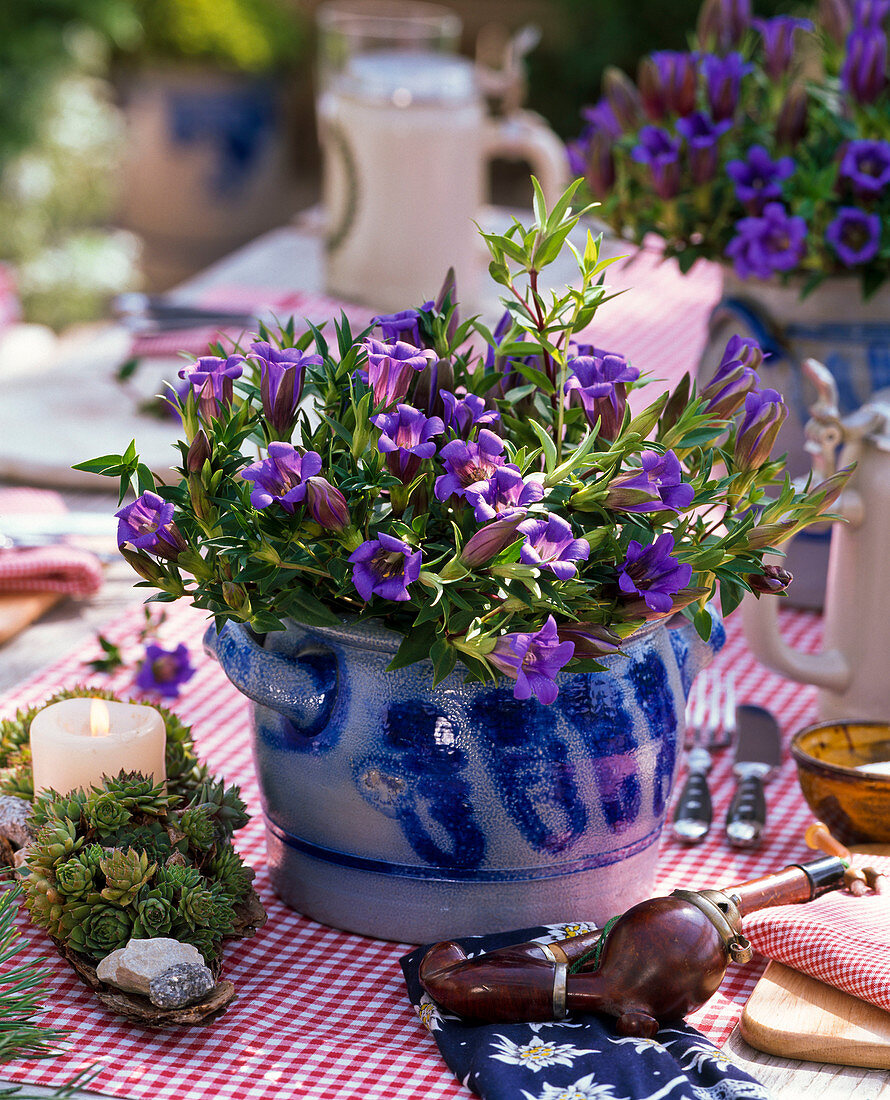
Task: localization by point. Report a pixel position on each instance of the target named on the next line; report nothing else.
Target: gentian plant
(504, 500)
(766, 145)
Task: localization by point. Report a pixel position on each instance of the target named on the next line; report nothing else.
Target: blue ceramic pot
(410, 812)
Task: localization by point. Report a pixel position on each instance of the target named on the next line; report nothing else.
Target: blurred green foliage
(585, 36)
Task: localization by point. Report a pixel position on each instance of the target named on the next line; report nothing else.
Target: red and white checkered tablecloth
(323, 1014)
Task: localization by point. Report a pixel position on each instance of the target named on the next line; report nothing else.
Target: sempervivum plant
(491, 496)
(132, 859)
(766, 144)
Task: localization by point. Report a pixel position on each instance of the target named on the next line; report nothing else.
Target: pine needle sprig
(22, 993)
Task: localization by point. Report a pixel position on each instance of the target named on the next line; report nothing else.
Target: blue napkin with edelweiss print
(579, 1058)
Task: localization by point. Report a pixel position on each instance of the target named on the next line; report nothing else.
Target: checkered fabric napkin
(260, 300)
(839, 939)
(324, 1014)
(63, 569)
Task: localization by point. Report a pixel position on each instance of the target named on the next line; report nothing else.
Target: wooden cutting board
(792, 1015)
(20, 610)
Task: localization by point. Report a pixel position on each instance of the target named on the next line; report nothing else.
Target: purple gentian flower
(406, 438)
(599, 382)
(533, 660)
(778, 42)
(723, 82)
(281, 477)
(702, 135)
(854, 235)
(391, 368)
(661, 153)
(775, 241)
(164, 671)
(384, 567)
(601, 116)
(741, 349)
(466, 463)
(326, 504)
(658, 487)
(505, 494)
(212, 381)
(765, 412)
(147, 524)
(462, 412)
(866, 165)
(281, 382)
(404, 325)
(651, 572)
(550, 544)
(735, 377)
(863, 76)
(759, 178)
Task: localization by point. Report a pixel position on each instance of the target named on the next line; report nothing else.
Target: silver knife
(758, 752)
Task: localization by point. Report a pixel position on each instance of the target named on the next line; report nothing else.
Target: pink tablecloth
(323, 1014)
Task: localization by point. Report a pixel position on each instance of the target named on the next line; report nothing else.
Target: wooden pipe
(656, 963)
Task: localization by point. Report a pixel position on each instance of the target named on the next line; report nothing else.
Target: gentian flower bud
(662, 154)
(590, 639)
(326, 504)
(236, 597)
(722, 24)
(770, 534)
(836, 18)
(653, 93)
(489, 541)
(198, 453)
(599, 164)
(772, 582)
(863, 76)
(793, 118)
(702, 136)
(142, 564)
(727, 390)
(677, 80)
(623, 97)
(765, 413)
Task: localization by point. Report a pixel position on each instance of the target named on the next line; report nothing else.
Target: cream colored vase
(853, 669)
(833, 325)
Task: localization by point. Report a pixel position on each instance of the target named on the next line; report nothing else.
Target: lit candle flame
(99, 719)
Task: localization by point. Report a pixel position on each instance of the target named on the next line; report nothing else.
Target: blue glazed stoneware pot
(410, 812)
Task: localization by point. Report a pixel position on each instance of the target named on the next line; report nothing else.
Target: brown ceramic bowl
(854, 804)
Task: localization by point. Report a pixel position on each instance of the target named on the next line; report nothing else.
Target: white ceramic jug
(406, 143)
(853, 669)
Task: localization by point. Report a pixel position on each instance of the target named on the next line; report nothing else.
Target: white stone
(132, 968)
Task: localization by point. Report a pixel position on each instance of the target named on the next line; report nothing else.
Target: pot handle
(301, 688)
(760, 620)
(524, 135)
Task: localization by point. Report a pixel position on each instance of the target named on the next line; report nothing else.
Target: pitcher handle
(524, 135)
(692, 652)
(301, 688)
(760, 620)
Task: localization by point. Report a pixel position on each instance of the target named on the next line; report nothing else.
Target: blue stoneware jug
(413, 813)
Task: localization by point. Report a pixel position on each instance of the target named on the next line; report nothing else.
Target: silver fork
(710, 719)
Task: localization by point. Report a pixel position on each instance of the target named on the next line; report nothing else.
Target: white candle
(76, 741)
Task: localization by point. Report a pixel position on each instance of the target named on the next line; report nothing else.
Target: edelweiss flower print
(579, 1058)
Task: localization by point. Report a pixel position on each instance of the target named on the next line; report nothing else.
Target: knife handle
(692, 816)
(746, 817)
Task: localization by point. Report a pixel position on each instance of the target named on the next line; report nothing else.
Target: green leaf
(444, 658)
(415, 646)
(305, 608)
(551, 457)
(703, 623)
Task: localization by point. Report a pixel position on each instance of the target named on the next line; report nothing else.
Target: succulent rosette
(765, 146)
(506, 501)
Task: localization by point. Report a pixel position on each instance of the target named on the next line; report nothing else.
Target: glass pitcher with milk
(406, 142)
